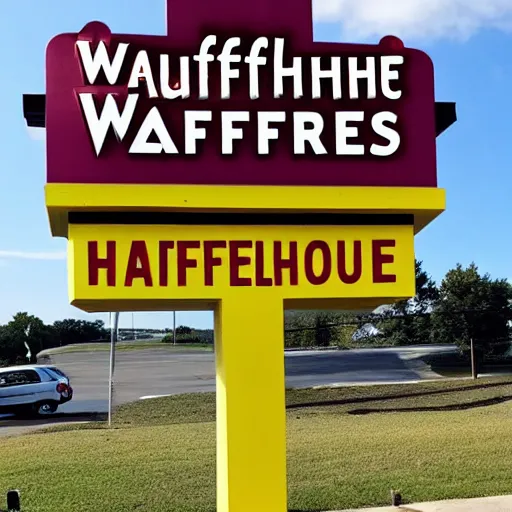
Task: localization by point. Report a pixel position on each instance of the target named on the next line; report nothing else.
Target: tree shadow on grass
(439, 408)
(397, 396)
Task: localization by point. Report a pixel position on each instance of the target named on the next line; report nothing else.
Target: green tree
(345, 334)
(185, 334)
(31, 330)
(408, 322)
(325, 330)
(317, 328)
(10, 352)
(299, 329)
(24, 329)
(71, 331)
(473, 306)
(183, 330)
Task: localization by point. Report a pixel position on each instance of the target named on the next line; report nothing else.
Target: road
(156, 372)
(146, 373)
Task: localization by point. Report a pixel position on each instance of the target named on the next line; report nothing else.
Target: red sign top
(238, 94)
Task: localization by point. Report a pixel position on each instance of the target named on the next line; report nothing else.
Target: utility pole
(474, 372)
(174, 327)
(133, 327)
(114, 325)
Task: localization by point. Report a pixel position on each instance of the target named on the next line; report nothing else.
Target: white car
(34, 389)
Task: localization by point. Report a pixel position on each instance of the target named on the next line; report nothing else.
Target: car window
(18, 378)
(54, 373)
(48, 372)
(58, 372)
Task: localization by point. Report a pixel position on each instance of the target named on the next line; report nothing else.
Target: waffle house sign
(235, 165)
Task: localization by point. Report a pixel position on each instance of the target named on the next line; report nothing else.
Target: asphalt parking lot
(154, 372)
(142, 374)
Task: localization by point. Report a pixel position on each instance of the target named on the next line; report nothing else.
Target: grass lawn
(347, 447)
(127, 345)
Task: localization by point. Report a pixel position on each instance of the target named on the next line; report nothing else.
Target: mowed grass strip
(128, 346)
(347, 447)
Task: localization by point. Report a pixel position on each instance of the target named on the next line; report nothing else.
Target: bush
(317, 329)
(186, 335)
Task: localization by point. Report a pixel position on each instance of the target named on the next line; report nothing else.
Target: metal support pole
(474, 372)
(174, 327)
(114, 325)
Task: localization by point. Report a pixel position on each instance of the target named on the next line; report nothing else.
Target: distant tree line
(466, 306)
(25, 336)
(189, 335)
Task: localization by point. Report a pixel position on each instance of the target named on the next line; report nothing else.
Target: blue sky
(469, 43)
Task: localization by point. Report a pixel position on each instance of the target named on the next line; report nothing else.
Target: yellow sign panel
(209, 263)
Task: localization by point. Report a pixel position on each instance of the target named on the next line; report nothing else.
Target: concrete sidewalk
(494, 504)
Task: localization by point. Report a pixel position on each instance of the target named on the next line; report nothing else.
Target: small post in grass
(474, 372)
(13, 501)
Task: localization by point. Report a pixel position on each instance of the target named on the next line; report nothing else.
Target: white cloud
(22, 255)
(414, 19)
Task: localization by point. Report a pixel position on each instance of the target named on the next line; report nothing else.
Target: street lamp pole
(174, 327)
(114, 326)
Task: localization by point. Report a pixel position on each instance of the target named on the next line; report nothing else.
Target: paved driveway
(159, 372)
(156, 372)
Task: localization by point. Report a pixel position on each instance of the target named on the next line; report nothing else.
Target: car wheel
(45, 408)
